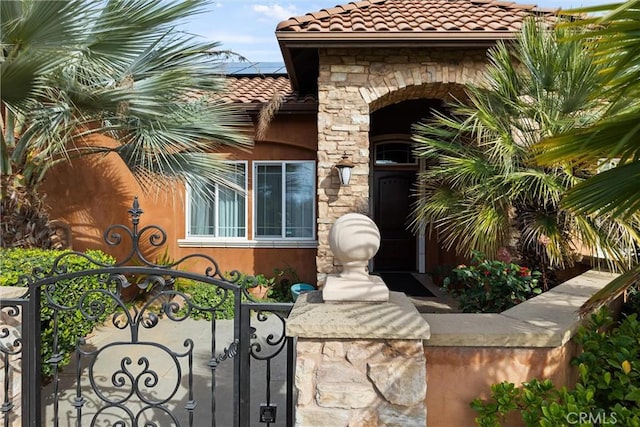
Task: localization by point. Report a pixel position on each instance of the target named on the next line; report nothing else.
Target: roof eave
(286, 108)
(359, 39)
(288, 64)
(315, 40)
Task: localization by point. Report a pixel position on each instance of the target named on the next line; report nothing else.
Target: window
(223, 214)
(284, 199)
(394, 153)
(283, 208)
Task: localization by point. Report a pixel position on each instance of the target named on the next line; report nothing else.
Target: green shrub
(284, 279)
(607, 391)
(207, 296)
(72, 324)
(610, 360)
(488, 286)
(632, 300)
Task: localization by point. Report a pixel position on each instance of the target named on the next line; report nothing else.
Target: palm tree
(73, 69)
(482, 186)
(614, 139)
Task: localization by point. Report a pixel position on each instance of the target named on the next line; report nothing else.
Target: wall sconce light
(344, 167)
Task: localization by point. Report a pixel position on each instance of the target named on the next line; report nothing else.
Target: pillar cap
(396, 319)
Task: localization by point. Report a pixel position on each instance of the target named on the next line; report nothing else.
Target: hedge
(72, 324)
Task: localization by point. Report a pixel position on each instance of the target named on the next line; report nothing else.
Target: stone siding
(358, 383)
(11, 319)
(352, 84)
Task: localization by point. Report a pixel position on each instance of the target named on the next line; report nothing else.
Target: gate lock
(268, 413)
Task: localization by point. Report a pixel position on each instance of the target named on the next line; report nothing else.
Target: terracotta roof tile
(416, 15)
(258, 90)
(359, 26)
(349, 6)
(319, 15)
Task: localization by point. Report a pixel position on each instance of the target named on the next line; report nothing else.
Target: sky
(247, 27)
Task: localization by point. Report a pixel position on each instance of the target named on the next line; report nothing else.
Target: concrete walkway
(439, 303)
(172, 335)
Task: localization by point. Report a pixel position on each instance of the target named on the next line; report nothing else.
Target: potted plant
(259, 286)
(285, 277)
(288, 285)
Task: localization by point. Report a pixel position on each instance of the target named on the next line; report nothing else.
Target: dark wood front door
(392, 207)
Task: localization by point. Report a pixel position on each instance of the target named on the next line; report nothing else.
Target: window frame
(283, 237)
(215, 238)
(393, 139)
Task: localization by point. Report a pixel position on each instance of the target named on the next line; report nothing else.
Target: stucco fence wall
(336, 376)
(468, 352)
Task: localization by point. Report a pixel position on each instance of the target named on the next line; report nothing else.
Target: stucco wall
(457, 375)
(467, 352)
(92, 193)
(352, 84)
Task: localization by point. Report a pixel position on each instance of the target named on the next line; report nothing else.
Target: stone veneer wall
(359, 364)
(352, 83)
(10, 332)
(360, 383)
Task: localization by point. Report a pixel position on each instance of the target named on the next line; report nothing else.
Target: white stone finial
(354, 239)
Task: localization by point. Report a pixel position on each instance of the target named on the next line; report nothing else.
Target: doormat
(405, 282)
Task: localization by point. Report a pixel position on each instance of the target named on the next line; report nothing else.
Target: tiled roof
(261, 89)
(415, 16)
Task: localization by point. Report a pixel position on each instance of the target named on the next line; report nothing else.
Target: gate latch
(267, 413)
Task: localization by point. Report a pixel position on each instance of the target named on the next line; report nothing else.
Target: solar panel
(253, 68)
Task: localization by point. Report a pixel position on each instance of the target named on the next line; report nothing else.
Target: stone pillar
(343, 127)
(360, 359)
(10, 333)
(353, 83)
(359, 363)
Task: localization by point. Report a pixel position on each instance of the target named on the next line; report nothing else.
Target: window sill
(266, 243)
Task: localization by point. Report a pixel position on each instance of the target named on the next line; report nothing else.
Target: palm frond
(614, 191)
(267, 113)
(48, 28)
(611, 138)
(535, 185)
(611, 291)
(126, 72)
(483, 185)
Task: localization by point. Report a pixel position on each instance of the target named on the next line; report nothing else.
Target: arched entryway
(393, 184)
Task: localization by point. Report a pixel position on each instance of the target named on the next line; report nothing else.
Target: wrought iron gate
(140, 368)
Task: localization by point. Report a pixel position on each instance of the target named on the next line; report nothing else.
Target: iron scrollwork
(131, 389)
(11, 348)
(272, 344)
